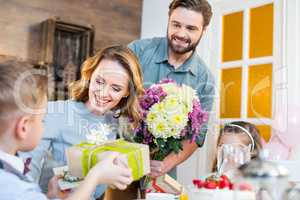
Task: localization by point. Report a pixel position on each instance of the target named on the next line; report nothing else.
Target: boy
(22, 106)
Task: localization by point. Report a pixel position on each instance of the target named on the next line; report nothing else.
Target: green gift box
(82, 157)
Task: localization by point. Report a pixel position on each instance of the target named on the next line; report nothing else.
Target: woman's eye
(100, 82)
(117, 89)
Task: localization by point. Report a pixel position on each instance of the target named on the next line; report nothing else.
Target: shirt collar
(189, 65)
(163, 51)
(14, 161)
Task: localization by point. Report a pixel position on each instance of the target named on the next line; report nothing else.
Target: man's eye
(191, 28)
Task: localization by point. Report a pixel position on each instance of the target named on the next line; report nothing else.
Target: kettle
(268, 180)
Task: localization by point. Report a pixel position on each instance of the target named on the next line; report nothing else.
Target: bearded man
(175, 57)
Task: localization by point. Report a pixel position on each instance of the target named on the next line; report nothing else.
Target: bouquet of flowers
(171, 113)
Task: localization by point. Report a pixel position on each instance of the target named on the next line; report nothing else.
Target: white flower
(99, 135)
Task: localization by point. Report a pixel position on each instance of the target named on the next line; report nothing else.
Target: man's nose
(181, 33)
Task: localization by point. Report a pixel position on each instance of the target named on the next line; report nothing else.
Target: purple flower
(167, 80)
(152, 95)
(197, 117)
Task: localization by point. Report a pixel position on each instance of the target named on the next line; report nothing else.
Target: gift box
(165, 184)
(82, 157)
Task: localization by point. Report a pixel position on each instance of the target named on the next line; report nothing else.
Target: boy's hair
(22, 89)
(201, 6)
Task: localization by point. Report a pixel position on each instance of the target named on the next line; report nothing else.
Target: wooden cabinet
(65, 46)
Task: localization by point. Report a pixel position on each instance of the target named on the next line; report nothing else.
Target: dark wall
(115, 21)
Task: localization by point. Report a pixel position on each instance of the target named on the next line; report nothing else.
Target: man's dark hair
(201, 6)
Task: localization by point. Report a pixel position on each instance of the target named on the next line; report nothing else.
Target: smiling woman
(110, 84)
(111, 80)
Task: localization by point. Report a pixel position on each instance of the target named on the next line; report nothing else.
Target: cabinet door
(65, 47)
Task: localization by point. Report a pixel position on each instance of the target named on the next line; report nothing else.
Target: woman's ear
(22, 127)
(126, 95)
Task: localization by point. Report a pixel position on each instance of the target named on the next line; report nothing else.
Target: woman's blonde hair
(128, 106)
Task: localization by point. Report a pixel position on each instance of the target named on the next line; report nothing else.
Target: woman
(110, 85)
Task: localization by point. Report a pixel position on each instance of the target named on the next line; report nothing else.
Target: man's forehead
(186, 17)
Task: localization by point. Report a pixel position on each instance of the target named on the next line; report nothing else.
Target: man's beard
(179, 49)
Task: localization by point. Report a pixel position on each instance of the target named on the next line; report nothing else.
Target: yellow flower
(171, 102)
(160, 127)
(159, 107)
(151, 116)
(177, 119)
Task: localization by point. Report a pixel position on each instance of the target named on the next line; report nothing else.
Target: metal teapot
(269, 181)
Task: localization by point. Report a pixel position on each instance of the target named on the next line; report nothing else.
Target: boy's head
(23, 97)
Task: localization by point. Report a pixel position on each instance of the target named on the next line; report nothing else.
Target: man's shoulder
(146, 44)
(199, 60)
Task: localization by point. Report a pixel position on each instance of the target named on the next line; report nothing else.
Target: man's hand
(158, 168)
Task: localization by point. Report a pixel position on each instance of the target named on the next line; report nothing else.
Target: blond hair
(22, 90)
(129, 106)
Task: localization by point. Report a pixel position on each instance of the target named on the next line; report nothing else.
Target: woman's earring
(117, 113)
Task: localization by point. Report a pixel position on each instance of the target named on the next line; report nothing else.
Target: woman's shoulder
(64, 104)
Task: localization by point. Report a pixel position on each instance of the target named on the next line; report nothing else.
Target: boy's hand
(54, 190)
(110, 172)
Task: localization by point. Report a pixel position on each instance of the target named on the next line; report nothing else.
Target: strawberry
(231, 186)
(198, 183)
(225, 177)
(224, 183)
(195, 181)
(210, 185)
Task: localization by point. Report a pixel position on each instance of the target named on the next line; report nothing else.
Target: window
(249, 37)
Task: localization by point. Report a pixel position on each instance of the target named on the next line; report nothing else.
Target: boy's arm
(105, 172)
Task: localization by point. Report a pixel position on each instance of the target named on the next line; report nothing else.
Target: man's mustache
(187, 40)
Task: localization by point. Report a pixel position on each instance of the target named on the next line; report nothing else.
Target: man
(175, 57)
